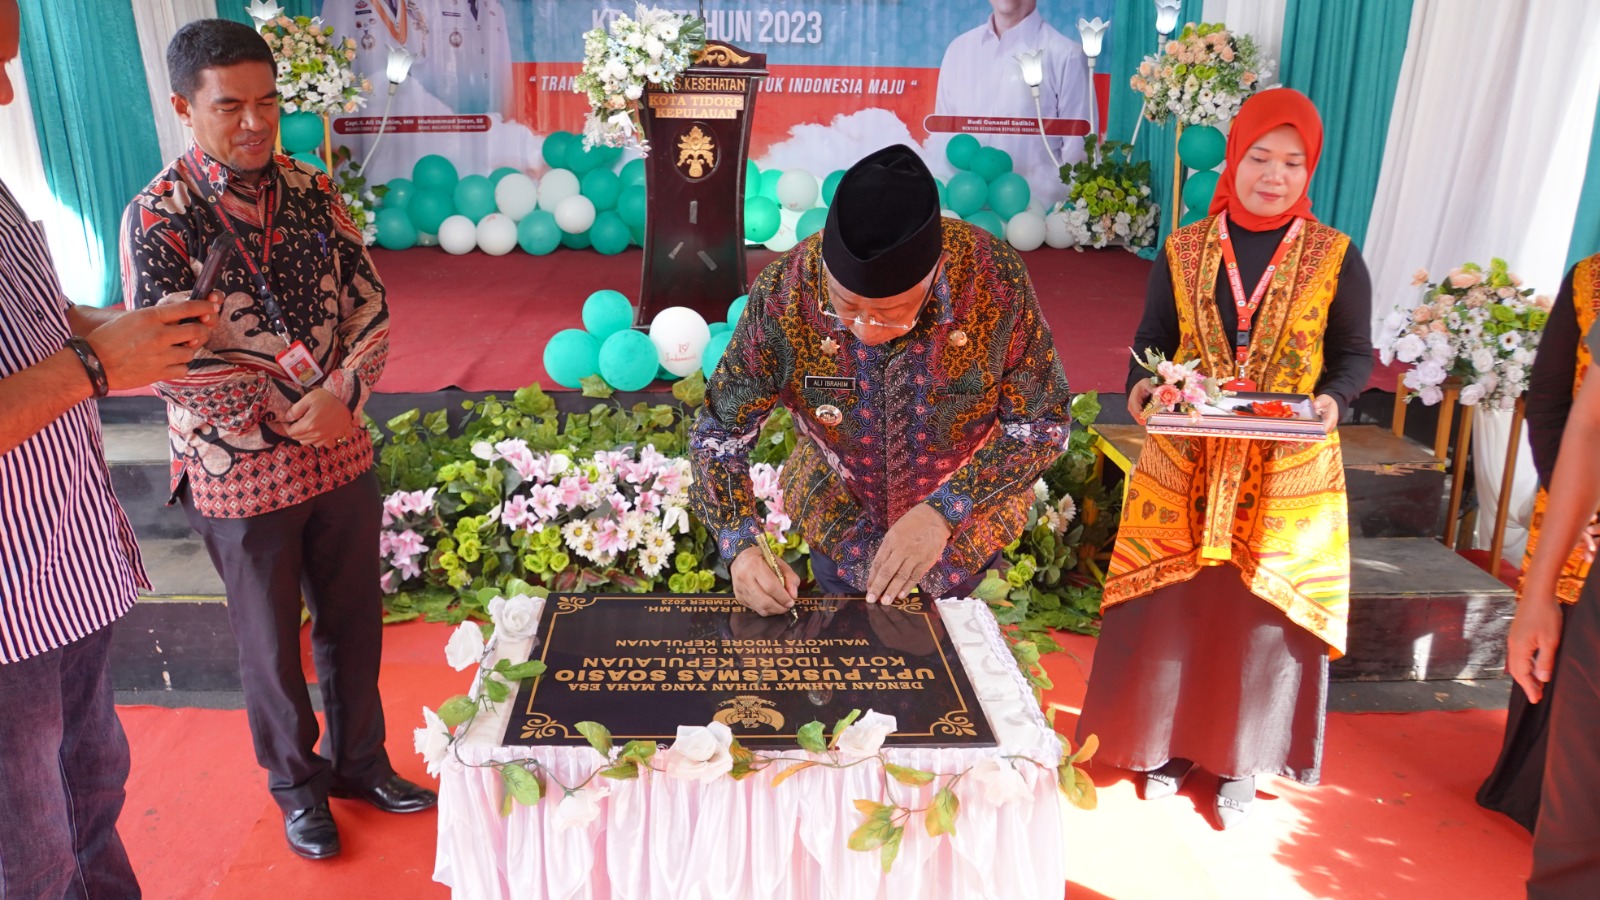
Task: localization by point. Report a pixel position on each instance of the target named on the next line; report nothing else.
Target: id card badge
(297, 362)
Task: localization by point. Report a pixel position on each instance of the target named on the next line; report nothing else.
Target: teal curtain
(96, 135)
(1346, 57)
(1586, 228)
(235, 9)
(1133, 37)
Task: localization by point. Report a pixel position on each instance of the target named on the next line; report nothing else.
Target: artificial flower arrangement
(1178, 387)
(1481, 327)
(710, 752)
(1110, 200)
(360, 201)
(651, 48)
(316, 72)
(1202, 76)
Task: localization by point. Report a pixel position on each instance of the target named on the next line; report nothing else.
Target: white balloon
(680, 336)
(575, 214)
(556, 186)
(949, 213)
(797, 190)
(1025, 231)
(785, 238)
(424, 239)
(516, 195)
(458, 235)
(1056, 232)
(497, 234)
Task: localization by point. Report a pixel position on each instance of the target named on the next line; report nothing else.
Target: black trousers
(325, 550)
(1566, 843)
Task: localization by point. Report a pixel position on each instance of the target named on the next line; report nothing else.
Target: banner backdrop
(493, 77)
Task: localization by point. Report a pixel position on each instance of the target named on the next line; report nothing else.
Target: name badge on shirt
(299, 365)
(829, 383)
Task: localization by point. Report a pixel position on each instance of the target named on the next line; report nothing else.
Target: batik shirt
(963, 412)
(226, 418)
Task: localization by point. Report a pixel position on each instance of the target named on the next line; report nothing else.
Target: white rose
(1471, 394)
(1409, 348)
(432, 740)
(579, 808)
(1431, 373)
(865, 736)
(1431, 395)
(701, 753)
(998, 781)
(1482, 360)
(465, 648)
(514, 617)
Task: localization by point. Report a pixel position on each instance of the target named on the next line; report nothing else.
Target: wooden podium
(699, 135)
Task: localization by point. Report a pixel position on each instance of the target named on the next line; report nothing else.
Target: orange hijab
(1258, 115)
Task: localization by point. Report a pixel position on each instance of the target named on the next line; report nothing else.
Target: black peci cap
(884, 232)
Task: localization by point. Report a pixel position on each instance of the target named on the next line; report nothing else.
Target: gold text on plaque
(749, 711)
(696, 152)
(719, 56)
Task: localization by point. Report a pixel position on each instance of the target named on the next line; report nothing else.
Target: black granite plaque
(641, 665)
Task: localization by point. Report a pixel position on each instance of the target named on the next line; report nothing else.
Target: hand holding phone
(217, 256)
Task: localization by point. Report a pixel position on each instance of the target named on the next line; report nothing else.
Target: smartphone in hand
(217, 256)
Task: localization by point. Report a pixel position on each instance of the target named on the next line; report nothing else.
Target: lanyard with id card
(1246, 308)
(295, 360)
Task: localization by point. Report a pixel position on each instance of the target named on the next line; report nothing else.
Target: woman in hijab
(1229, 581)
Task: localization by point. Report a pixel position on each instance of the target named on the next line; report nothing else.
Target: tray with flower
(1255, 415)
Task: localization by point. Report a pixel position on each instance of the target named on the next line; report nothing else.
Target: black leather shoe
(312, 832)
(396, 795)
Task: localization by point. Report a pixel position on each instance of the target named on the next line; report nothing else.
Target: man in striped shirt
(69, 566)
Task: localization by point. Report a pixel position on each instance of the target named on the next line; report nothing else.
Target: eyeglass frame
(869, 321)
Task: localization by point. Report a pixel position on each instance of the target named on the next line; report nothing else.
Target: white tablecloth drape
(661, 838)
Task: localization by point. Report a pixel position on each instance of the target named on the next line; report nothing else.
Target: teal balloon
(637, 233)
(967, 193)
(1191, 217)
(571, 356)
(719, 327)
(609, 233)
(752, 177)
(556, 145)
(830, 186)
(961, 150)
(1009, 194)
(712, 355)
(429, 208)
(988, 221)
(736, 308)
(606, 157)
(769, 183)
(663, 375)
(628, 360)
(538, 233)
(474, 196)
(944, 198)
(607, 312)
(1202, 147)
(435, 172)
(631, 206)
(395, 231)
(602, 186)
(399, 193)
(580, 160)
(503, 171)
(761, 218)
(579, 241)
(314, 160)
(633, 174)
(300, 132)
(1198, 189)
(810, 222)
(991, 163)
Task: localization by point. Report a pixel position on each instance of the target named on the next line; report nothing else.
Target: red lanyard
(269, 301)
(1247, 308)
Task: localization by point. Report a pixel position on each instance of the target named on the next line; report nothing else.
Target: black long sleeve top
(1347, 344)
(1549, 396)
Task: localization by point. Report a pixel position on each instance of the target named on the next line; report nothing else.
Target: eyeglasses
(869, 321)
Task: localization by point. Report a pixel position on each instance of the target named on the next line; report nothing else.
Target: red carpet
(480, 322)
(1394, 817)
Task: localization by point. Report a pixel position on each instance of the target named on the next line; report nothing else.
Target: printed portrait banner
(492, 78)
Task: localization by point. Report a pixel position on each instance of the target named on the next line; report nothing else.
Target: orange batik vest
(1586, 300)
(1276, 510)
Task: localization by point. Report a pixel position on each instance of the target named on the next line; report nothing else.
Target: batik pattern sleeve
(742, 392)
(231, 391)
(1033, 422)
(363, 329)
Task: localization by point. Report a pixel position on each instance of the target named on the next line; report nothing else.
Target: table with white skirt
(663, 838)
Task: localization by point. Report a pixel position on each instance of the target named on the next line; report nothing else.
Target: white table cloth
(661, 838)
